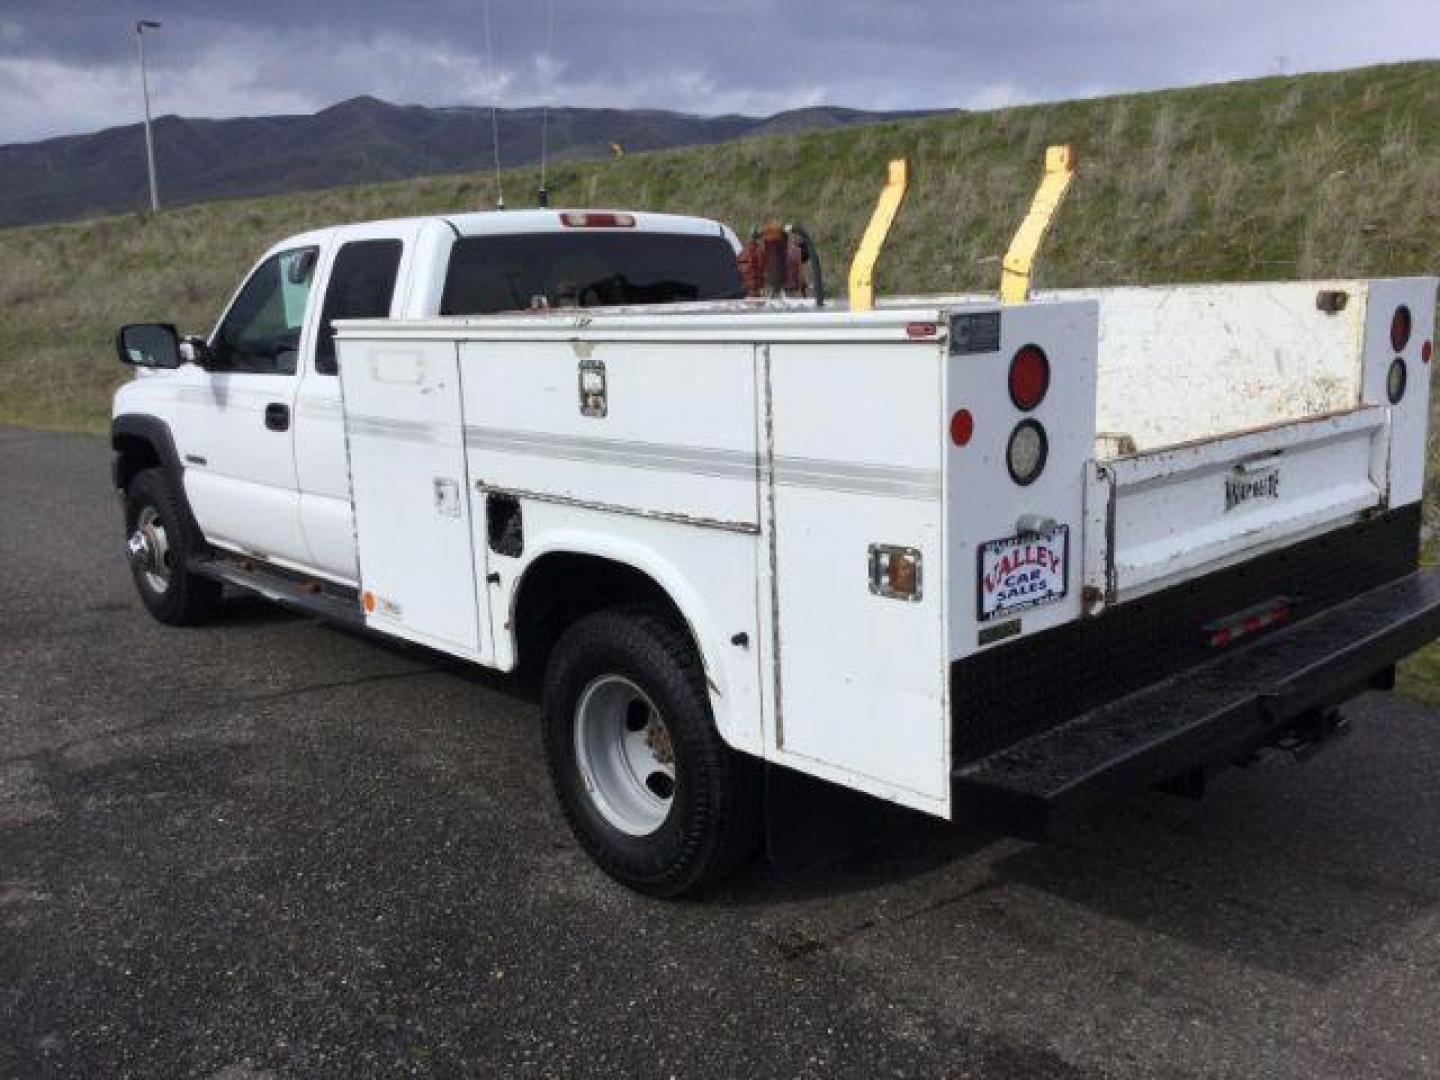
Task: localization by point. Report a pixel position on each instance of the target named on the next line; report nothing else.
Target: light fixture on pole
(140, 28)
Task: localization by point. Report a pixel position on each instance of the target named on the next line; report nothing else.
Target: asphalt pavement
(268, 847)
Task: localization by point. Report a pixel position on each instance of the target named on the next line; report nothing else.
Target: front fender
(156, 434)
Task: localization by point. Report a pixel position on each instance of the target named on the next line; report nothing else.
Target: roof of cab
(497, 222)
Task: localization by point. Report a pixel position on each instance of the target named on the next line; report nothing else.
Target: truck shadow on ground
(251, 609)
(1266, 872)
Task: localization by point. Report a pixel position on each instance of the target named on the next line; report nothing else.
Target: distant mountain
(360, 141)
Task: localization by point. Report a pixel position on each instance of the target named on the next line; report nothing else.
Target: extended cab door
(236, 423)
(363, 280)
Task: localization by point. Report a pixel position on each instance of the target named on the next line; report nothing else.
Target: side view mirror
(152, 345)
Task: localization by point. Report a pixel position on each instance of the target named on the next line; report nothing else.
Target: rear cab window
(362, 286)
(514, 272)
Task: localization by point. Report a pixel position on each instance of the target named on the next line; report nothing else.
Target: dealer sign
(1020, 572)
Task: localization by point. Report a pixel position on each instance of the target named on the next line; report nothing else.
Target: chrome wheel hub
(625, 754)
(148, 549)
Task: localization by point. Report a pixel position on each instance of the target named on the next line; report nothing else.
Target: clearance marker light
(577, 219)
(896, 572)
(962, 427)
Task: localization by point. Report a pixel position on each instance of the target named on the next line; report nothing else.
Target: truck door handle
(277, 416)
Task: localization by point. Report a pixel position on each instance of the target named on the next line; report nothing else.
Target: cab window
(261, 331)
(578, 268)
(362, 286)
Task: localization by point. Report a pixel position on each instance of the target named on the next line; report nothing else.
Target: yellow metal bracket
(1020, 259)
(862, 267)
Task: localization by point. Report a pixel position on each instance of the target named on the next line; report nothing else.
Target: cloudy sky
(69, 66)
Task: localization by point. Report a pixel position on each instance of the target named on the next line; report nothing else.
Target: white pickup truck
(991, 562)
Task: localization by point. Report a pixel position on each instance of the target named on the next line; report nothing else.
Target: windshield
(587, 269)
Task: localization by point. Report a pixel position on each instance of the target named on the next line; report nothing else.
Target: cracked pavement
(267, 847)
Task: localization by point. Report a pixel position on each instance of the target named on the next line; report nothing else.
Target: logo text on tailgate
(1242, 486)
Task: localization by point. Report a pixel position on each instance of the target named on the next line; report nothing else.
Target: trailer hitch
(1312, 732)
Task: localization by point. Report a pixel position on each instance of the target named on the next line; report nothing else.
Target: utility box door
(418, 572)
(855, 462)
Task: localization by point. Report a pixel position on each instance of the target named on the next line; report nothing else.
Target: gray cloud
(69, 65)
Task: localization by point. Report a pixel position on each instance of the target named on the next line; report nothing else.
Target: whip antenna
(543, 195)
(494, 107)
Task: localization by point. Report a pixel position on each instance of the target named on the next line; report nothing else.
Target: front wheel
(159, 542)
(650, 790)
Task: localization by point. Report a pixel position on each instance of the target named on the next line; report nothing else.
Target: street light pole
(140, 28)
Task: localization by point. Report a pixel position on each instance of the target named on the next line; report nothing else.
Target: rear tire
(650, 790)
(160, 539)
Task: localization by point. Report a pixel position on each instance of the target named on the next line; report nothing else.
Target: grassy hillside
(1286, 177)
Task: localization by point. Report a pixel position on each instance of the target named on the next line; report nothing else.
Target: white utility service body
(749, 461)
(992, 562)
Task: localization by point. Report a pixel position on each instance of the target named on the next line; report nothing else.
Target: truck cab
(249, 418)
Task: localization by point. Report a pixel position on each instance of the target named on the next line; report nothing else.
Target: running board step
(320, 599)
(1208, 715)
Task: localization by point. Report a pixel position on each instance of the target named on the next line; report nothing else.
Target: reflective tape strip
(828, 474)
(419, 432)
(702, 461)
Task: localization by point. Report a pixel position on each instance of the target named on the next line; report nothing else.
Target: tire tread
(190, 599)
(724, 828)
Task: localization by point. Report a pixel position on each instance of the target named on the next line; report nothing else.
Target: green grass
(1333, 174)
(1419, 676)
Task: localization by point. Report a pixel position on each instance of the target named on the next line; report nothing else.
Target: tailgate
(1156, 518)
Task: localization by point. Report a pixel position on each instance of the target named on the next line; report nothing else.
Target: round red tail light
(1029, 377)
(1400, 325)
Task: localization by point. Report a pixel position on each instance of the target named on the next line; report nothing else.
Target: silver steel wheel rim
(149, 549)
(625, 754)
